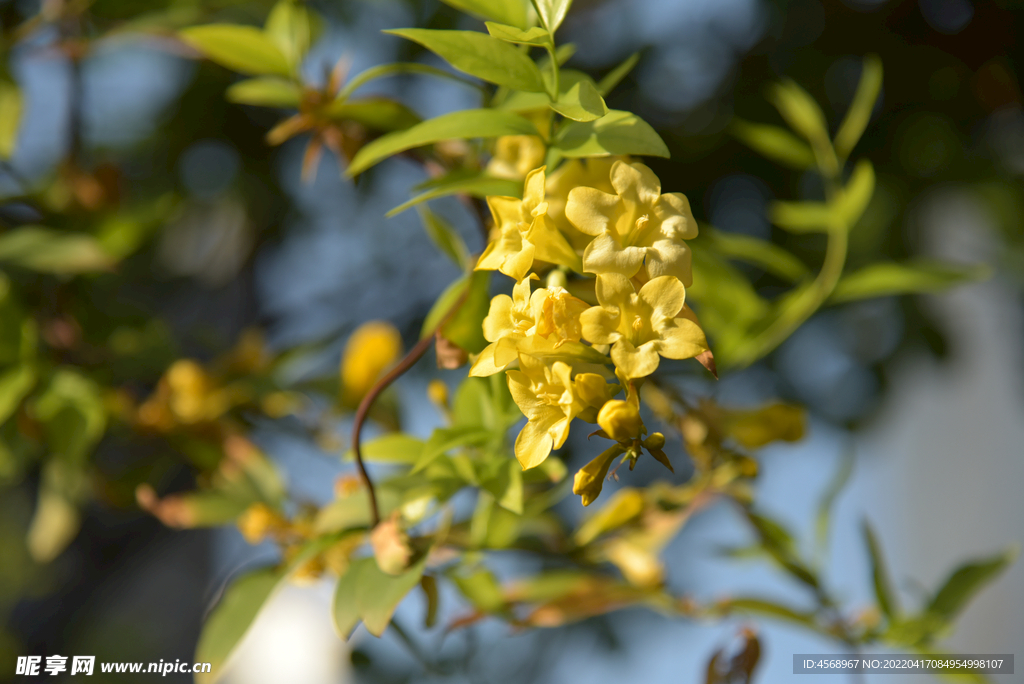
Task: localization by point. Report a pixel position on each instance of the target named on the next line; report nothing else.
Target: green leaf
(382, 70)
(503, 478)
(15, 384)
(769, 609)
(615, 76)
(11, 105)
(377, 114)
(71, 410)
(581, 102)
(465, 328)
(799, 110)
(915, 277)
(469, 123)
(480, 55)
(56, 520)
(265, 92)
(443, 440)
(775, 143)
(511, 34)
(511, 12)
(446, 238)
(780, 545)
(292, 28)
(752, 250)
(239, 606)
(828, 499)
(458, 184)
(482, 589)
(51, 251)
(379, 594)
(552, 12)
(616, 133)
(395, 447)
(966, 581)
(884, 593)
(859, 115)
(240, 48)
(856, 194)
(231, 619)
(805, 217)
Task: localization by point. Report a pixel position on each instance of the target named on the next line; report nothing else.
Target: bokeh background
(927, 392)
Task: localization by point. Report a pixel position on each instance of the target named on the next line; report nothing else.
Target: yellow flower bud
(371, 349)
(620, 419)
(437, 392)
(655, 441)
(257, 521)
(190, 387)
(589, 479)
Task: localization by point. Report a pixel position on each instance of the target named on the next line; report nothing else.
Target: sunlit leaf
(241, 48)
(15, 383)
(377, 113)
(805, 217)
(56, 520)
(464, 328)
(292, 27)
(552, 12)
(510, 34)
(511, 12)
(11, 105)
(480, 55)
(52, 251)
(395, 447)
(916, 277)
(447, 239)
(581, 102)
(474, 186)
(775, 143)
(752, 250)
(859, 115)
(379, 594)
(616, 133)
(770, 609)
(799, 110)
(482, 589)
(443, 440)
(966, 581)
(856, 194)
(470, 123)
(828, 499)
(265, 92)
(885, 595)
(615, 76)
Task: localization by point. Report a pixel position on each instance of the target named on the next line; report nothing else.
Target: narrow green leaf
(480, 55)
(503, 478)
(15, 384)
(444, 440)
(966, 581)
(856, 194)
(469, 123)
(446, 238)
(581, 102)
(11, 105)
(828, 499)
(395, 447)
(376, 113)
(769, 609)
(615, 76)
(780, 545)
(617, 132)
(465, 326)
(805, 217)
(383, 70)
(73, 416)
(482, 589)
(884, 592)
(511, 34)
(231, 619)
(915, 277)
(52, 251)
(511, 12)
(56, 520)
(265, 92)
(379, 593)
(859, 115)
(292, 27)
(775, 143)
(552, 12)
(344, 611)
(240, 48)
(799, 110)
(458, 184)
(767, 255)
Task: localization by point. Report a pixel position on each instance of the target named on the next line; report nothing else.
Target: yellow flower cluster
(601, 224)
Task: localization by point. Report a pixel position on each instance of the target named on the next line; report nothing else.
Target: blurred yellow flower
(640, 326)
(637, 230)
(371, 349)
(538, 322)
(516, 155)
(550, 398)
(524, 232)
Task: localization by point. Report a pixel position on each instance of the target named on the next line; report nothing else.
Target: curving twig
(414, 355)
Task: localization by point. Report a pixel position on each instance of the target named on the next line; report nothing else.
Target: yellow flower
(516, 155)
(620, 418)
(524, 232)
(640, 326)
(533, 323)
(550, 398)
(589, 480)
(593, 172)
(371, 349)
(637, 230)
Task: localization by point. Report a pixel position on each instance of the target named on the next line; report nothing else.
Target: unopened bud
(620, 420)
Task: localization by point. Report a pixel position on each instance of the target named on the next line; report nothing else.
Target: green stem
(554, 70)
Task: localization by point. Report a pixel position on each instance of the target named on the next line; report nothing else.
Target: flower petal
(681, 339)
(599, 325)
(605, 255)
(665, 295)
(613, 289)
(517, 265)
(533, 445)
(590, 210)
(669, 258)
(552, 245)
(673, 210)
(498, 322)
(636, 183)
(484, 364)
(635, 362)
